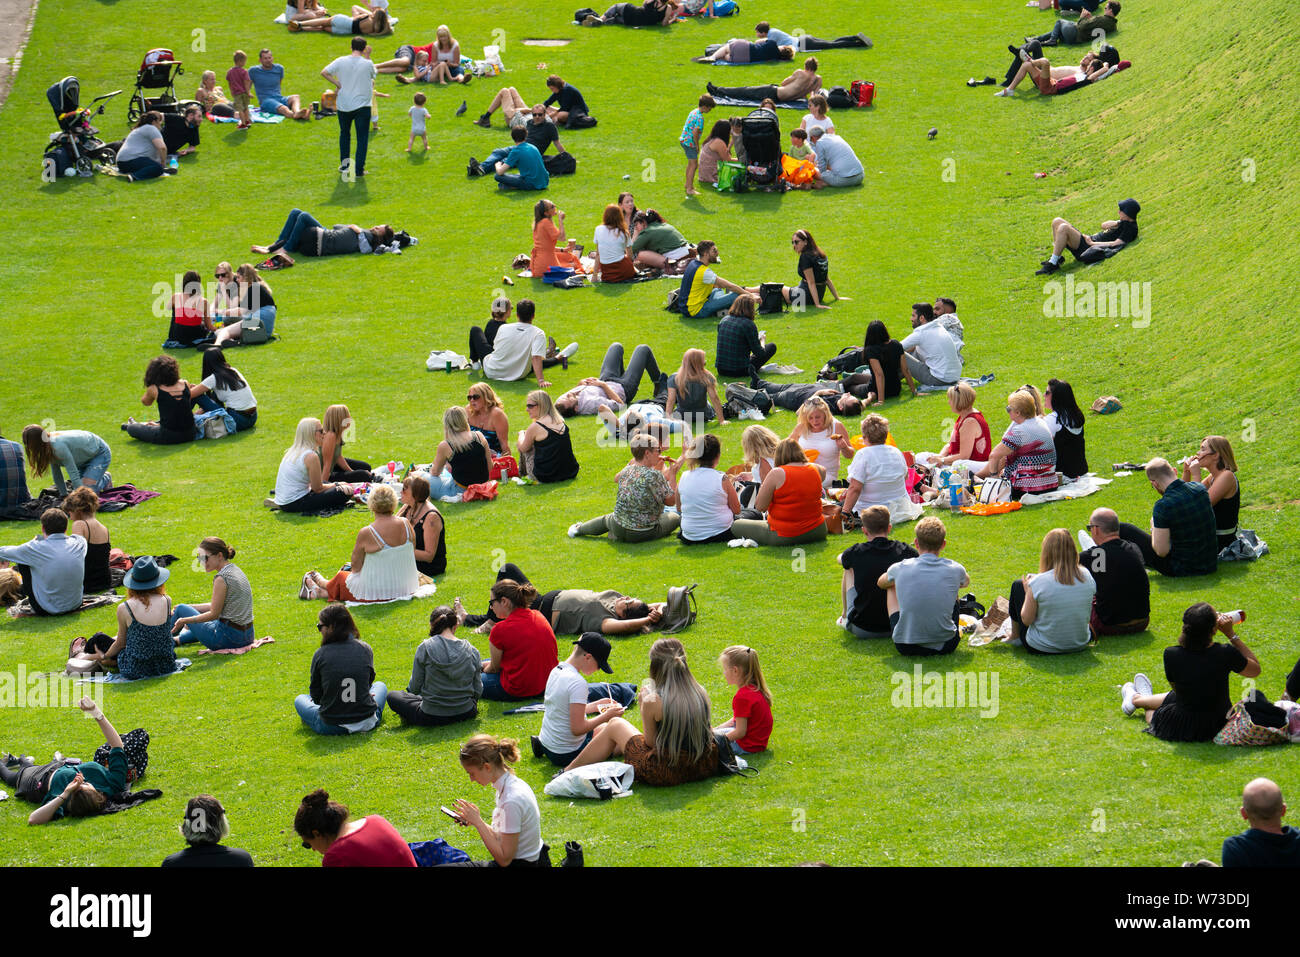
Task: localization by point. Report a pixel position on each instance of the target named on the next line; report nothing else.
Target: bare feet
(260, 250)
(302, 114)
(459, 609)
(404, 79)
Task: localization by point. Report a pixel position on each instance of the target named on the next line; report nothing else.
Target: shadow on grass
(349, 194)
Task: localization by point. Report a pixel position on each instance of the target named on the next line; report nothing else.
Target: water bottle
(1237, 617)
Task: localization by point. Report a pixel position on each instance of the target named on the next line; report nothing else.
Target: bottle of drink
(1237, 617)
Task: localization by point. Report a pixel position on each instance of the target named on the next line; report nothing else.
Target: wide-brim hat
(145, 574)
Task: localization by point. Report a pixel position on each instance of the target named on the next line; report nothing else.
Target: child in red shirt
(240, 86)
(751, 708)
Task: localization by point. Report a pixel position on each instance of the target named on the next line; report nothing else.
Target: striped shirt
(1031, 466)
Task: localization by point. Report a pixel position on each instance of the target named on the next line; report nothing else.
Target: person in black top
(814, 275)
(1114, 233)
(427, 521)
(792, 395)
(884, 356)
(569, 100)
(344, 698)
(649, 13)
(204, 827)
(181, 131)
(538, 130)
(1268, 842)
(546, 445)
(865, 612)
(1065, 422)
(1197, 669)
(1122, 604)
(175, 398)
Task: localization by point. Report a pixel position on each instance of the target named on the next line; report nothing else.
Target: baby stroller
(158, 71)
(77, 143)
(761, 134)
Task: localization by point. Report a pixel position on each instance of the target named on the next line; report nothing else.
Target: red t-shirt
(375, 843)
(752, 706)
(528, 652)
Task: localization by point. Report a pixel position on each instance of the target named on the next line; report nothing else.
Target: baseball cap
(596, 645)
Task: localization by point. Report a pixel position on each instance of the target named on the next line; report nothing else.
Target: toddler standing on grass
(239, 83)
(751, 708)
(418, 117)
(690, 140)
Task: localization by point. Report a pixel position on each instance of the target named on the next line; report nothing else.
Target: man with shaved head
(1268, 842)
(1122, 605)
(1183, 540)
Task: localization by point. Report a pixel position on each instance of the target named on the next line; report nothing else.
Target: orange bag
(797, 172)
(480, 490)
(990, 508)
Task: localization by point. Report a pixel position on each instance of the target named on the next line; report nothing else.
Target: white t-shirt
(811, 123)
(240, 400)
(934, 347)
(828, 451)
(516, 813)
(512, 351)
(418, 115)
(611, 245)
(564, 686)
(882, 470)
(704, 507)
(291, 482)
(356, 76)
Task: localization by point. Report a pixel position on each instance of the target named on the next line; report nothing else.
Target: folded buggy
(77, 144)
(158, 72)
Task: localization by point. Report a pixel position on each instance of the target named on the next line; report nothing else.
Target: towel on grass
(117, 679)
(257, 116)
(424, 591)
(732, 101)
(282, 20)
(1083, 485)
(268, 640)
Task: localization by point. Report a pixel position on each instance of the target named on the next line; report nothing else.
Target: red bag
(118, 559)
(503, 467)
(479, 490)
(862, 92)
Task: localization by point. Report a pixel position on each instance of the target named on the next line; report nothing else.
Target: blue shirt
(13, 477)
(782, 38)
(836, 155)
(525, 158)
(58, 564)
(266, 82)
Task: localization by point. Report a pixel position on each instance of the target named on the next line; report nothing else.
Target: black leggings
(407, 707)
(357, 471)
(1017, 600)
(755, 93)
(1161, 563)
(155, 434)
(642, 361)
(335, 498)
(544, 603)
(756, 361)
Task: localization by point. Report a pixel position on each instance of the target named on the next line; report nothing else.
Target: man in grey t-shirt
(920, 594)
(354, 78)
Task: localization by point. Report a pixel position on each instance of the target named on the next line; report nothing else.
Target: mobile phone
(450, 813)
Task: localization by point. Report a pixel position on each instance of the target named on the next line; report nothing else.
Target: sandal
(308, 587)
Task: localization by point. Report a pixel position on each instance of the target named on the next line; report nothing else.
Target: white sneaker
(842, 622)
(1126, 693)
(1006, 92)
(568, 350)
(1141, 683)
(573, 529)
(476, 365)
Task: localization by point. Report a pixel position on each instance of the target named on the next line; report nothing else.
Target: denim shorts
(272, 104)
(691, 152)
(562, 760)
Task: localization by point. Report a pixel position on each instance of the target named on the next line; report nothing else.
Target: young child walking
(690, 140)
(419, 115)
(240, 85)
(751, 707)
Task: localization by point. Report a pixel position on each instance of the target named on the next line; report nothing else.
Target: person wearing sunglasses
(1122, 605)
(1026, 456)
(546, 446)
(227, 292)
(328, 828)
(487, 416)
(226, 621)
(344, 696)
(644, 488)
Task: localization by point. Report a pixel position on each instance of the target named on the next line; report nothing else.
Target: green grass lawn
(1200, 130)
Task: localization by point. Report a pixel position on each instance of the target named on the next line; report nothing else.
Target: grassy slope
(877, 784)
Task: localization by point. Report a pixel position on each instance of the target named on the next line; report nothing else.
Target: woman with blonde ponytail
(514, 838)
(677, 745)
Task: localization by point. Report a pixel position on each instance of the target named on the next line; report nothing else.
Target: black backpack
(770, 298)
(583, 14)
(560, 164)
(580, 121)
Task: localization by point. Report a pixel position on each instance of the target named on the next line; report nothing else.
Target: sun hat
(145, 574)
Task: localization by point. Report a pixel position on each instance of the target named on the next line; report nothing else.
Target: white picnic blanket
(1083, 485)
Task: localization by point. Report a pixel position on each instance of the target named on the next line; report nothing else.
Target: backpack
(769, 297)
(253, 332)
(837, 98)
(582, 14)
(561, 164)
(862, 92)
(681, 610)
(580, 121)
(848, 359)
(743, 396)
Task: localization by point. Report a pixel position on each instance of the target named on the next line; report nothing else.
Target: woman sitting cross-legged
(143, 647)
(514, 838)
(548, 232)
(227, 389)
(175, 398)
(428, 525)
(446, 678)
(791, 495)
(1050, 610)
(255, 303)
(463, 457)
(383, 559)
(298, 485)
(708, 500)
(677, 744)
(345, 698)
(878, 475)
(226, 621)
(546, 445)
(644, 488)
(1197, 669)
(523, 649)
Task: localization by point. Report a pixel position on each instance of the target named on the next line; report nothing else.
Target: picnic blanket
(1072, 83)
(282, 20)
(268, 640)
(254, 113)
(426, 590)
(732, 101)
(1080, 487)
(116, 679)
(23, 609)
(973, 381)
(113, 499)
(777, 368)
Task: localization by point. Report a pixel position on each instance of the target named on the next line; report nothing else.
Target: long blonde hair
(455, 429)
(1060, 556)
(684, 730)
(337, 418)
(746, 659)
(693, 369)
(814, 404)
(304, 440)
(545, 405)
(758, 442)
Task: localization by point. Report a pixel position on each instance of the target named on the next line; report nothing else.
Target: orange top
(797, 505)
(545, 233)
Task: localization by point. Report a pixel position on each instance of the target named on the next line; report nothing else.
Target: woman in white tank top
(381, 570)
(819, 430)
(707, 498)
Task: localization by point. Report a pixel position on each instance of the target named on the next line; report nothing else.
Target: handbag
(994, 490)
(253, 332)
(1240, 730)
(731, 178)
(769, 297)
(503, 467)
(834, 518)
(729, 762)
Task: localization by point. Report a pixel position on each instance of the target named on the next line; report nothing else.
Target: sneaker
(1126, 693)
(294, 26)
(550, 347)
(866, 40)
(842, 622)
(484, 121)
(573, 529)
(1024, 56)
(1006, 91)
(464, 105)
(1047, 269)
(476, 366)
(474, 168)
(1141, 683)
(536, 742)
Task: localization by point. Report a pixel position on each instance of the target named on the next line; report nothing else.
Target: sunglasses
(306, 846)
(320, 627)
(470, 398)
(530, 405)
(223, 275)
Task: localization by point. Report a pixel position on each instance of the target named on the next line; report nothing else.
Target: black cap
(1129, 207)
(596, 645)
